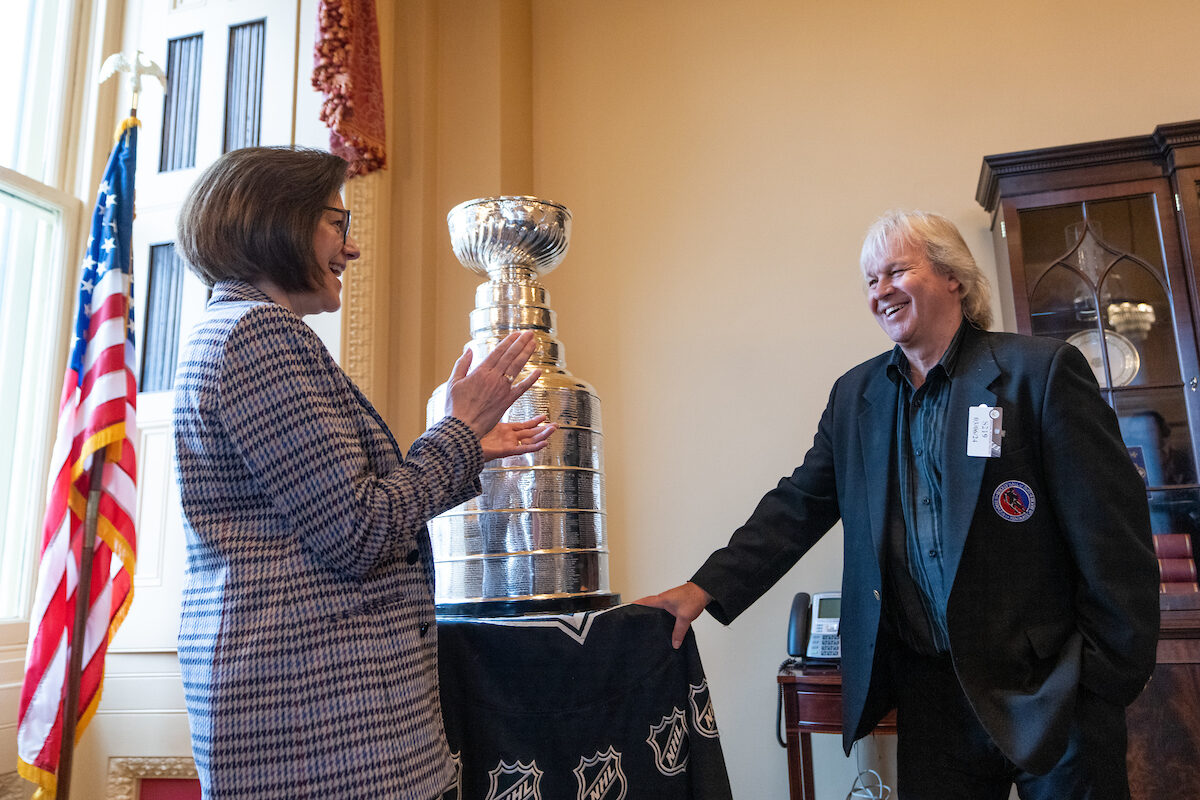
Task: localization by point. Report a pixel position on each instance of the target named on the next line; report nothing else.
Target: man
(999, 585)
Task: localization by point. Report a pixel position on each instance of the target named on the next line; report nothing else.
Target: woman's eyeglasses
(345, 221)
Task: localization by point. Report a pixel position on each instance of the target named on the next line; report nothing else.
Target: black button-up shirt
(921, 587)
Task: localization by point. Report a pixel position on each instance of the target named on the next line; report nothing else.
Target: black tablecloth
(591, 706)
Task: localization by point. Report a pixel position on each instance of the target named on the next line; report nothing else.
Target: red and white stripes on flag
(96, 413)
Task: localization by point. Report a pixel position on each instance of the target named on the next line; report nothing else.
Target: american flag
(96, 413)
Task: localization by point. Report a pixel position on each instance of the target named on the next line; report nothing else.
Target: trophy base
(523, 607)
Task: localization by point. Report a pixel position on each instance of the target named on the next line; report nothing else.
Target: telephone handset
(813, 626)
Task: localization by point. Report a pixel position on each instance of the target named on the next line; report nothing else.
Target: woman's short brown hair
(253, 214)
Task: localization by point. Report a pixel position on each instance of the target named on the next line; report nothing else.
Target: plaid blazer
(307, 643)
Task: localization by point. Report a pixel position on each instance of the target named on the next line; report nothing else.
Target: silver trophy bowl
(535, 540)
(509, 238)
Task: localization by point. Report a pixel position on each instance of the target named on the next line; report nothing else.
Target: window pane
(181, 104)
(1154, 426)
(160, 337)
(29, 263)
(32, 93)
(243, 85)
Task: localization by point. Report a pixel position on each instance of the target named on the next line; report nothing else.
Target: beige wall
(722, 161)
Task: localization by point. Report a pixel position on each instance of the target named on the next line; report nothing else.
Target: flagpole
(52, 696)
(83, 593)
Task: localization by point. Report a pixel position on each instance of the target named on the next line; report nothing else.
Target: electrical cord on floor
(876, 789)
(868, 784)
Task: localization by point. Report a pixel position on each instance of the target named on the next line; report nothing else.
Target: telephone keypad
(825, 647)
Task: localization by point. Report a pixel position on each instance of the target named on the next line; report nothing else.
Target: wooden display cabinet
(1099, 244)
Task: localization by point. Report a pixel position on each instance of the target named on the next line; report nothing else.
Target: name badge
(984, 431)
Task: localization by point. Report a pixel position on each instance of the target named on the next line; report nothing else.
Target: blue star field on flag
(108, 245)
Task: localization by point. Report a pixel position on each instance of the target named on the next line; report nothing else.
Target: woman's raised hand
(516, 438)
(480, 397)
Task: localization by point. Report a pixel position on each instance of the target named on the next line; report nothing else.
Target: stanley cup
(534, 541)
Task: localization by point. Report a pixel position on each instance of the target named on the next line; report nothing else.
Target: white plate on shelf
(1123, 357)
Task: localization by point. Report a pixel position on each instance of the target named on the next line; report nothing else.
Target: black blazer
(1037, 608)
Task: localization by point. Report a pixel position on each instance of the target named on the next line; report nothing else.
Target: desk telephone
(811, 637)
(813, 626)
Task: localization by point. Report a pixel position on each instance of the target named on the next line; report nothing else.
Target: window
(243, 85)
(38, 222)
(181, 114)
(33, 39)
(160, 334)
(33, 242)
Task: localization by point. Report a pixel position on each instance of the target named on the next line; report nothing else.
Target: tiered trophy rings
(535, 540)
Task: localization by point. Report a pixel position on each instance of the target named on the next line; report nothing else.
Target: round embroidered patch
(1014, 501)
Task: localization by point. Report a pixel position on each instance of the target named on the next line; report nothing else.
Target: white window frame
(82, 115)
(50, 311)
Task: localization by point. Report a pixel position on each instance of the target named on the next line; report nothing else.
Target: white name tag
(984, 431)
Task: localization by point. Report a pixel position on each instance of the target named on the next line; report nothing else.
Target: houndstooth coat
(307, 643)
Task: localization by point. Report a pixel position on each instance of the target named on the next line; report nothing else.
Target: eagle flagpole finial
(136, 67)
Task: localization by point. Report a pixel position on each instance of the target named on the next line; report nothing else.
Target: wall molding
(125, 774)
(361, 290)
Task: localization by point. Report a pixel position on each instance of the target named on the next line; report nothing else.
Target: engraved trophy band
(535, 540)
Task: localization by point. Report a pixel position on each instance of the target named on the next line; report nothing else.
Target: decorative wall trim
(361, 291)
(124, 774)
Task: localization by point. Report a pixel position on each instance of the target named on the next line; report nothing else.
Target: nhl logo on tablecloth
(704, 719)
(600, 777)
(670, 742)
(515, 782)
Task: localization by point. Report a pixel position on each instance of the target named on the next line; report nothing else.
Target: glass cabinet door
(1104, 273)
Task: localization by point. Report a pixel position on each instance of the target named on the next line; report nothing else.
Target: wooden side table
(812, 703)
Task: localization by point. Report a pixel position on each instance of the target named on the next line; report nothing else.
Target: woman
(307, 644)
